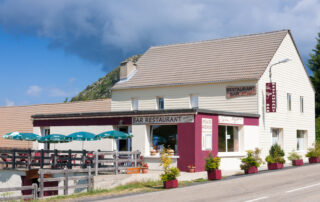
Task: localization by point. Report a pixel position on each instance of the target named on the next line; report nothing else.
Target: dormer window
(135, 104)
(194, 101)
(160, 103)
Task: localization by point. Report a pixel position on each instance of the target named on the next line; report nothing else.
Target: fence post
(42, 159)
(35, 191)
(54, 160)
(135, 155)
(116, 162)
(13, 158)
(29, 159)
(96, 160)
(89, 179)
(66, 182)
(83, 159)
(69, 159)
(41, 183)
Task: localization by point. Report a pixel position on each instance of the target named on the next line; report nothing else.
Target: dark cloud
(106, 32)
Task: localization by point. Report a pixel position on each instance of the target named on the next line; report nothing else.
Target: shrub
(276, 155)
(170, 173)
(252, 159)
(294, 156)
(212, 163)
(314, 151)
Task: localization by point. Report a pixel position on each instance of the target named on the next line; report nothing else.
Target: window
(164, 136)
(160, 102)
(289, 101)
(301, 139)
(276, 136)
(135, 104)
(228, 138)
(194, 101)
(301, 104)
(124, 144)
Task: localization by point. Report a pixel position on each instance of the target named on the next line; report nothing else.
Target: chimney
(126, 68)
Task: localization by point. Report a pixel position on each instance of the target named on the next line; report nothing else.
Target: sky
(51, 50)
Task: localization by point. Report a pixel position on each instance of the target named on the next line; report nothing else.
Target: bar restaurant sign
(162, 120)
(271, 97)
(237, 91)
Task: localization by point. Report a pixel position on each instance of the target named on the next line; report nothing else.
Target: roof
(138, 113)
(212, 61)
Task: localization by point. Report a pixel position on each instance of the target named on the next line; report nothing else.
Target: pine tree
(314, 65)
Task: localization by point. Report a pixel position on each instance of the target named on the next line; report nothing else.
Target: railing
(65, 178)
(8, 197)
(60, 159)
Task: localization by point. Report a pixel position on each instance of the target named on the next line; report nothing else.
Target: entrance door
(124, 145)
(45, 132)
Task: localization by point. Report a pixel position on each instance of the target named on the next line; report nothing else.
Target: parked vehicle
(212, 167)
(275, 159)
(252, 162)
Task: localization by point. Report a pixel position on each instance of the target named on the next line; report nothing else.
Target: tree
(314, 65)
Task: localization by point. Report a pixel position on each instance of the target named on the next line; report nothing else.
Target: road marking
(257, 199)
(306, 187)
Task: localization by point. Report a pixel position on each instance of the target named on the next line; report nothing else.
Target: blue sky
(50, 50)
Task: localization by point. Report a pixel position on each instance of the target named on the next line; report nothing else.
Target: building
(18, 118)
(223, 96)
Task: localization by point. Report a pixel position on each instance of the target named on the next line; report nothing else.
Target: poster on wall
(271, 97)
(237, 91)
(206, 134)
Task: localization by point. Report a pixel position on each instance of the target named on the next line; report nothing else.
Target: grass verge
(134, 187)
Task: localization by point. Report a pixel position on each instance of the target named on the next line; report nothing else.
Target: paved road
(292, 184)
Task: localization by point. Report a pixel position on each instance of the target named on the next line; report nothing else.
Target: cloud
(9, 103)
(106, 32)
(34, 90)
(56, 92)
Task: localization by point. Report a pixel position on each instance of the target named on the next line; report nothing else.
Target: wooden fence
(60, 159)
(5, 193)
(65, 178)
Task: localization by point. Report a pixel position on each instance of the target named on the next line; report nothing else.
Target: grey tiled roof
(229, 59)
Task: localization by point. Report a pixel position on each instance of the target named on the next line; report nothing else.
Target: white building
(209, 96)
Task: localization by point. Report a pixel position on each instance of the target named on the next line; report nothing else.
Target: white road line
(257, 199)
(306, 187)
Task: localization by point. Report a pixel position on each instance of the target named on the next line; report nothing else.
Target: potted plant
(191, 168)
(153, 152)
(170, 152)
(252, 162)
(275, 158)
(144, 167)
(295, 158)
(212, 167)
(169, 177)
(314, 153)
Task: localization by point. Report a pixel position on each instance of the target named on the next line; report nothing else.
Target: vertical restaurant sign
(206, 132)
(271, 97)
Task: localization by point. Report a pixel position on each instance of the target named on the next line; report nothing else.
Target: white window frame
(194, 101)
(302, 141)
(158, 103)
(289, 101)
(301, 104)
(279, 132)
(134, 104)
(238, 130)
(206, 134)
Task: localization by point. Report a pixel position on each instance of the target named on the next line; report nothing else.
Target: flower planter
(170, 184)
(214, 175)
(275, 166)
(144, 169)
(297, 162)
(314, 160)
(191, 170)
(251, 170)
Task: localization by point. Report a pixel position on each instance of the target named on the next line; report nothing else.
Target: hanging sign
(206, 130)
(236, 91)
(271, 97)
(162, 119)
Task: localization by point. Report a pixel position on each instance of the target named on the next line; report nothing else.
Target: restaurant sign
(236, 91)
(271, 97)
(162, 120)
(231, 120)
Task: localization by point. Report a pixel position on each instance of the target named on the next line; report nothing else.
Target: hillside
(101, 88)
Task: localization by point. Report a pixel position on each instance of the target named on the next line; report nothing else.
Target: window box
(275, 166)
(170, 184)
(214, 175)
(314, 160)
(251, 170)
(297, 162)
